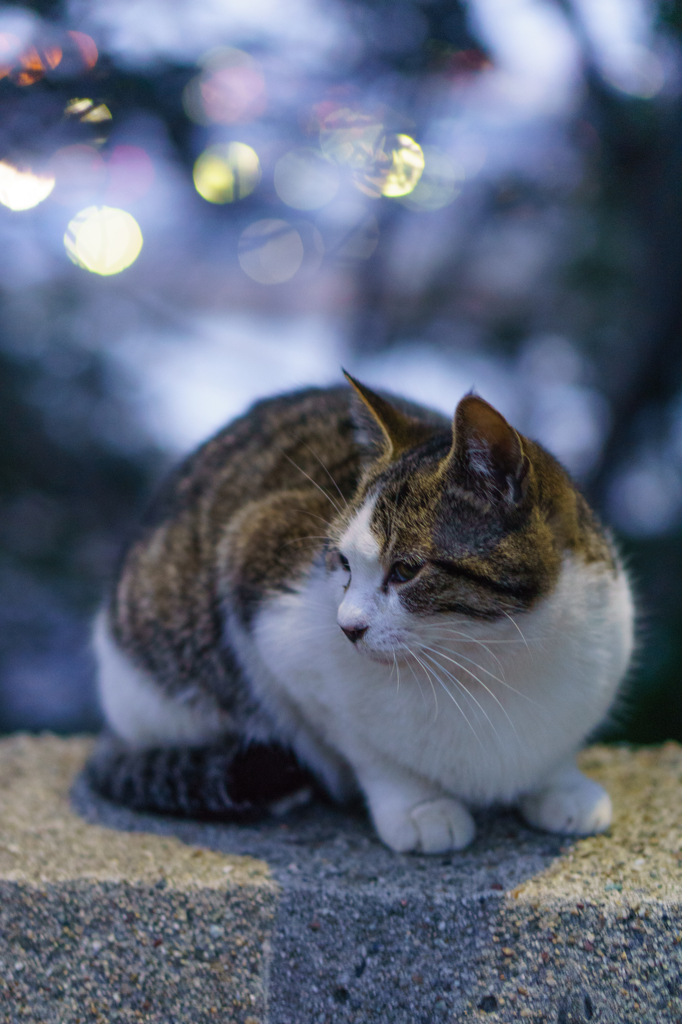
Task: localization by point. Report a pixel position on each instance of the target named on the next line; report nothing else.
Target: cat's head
(469, 520)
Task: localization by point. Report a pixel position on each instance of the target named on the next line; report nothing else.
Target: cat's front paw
(580, 809)
(434, 826)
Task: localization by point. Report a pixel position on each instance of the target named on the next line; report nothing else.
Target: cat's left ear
(487, 454)
(384, 427)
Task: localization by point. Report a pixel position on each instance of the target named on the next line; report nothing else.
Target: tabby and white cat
(351, 589)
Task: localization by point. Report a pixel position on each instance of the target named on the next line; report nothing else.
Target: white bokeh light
(22, 188)
(182, 31)
(645, 499)
(103, 240)
(620, 33)
(426, 375)
(191, 383)
(536, 56)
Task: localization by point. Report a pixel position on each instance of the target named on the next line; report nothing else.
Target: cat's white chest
(482, 718)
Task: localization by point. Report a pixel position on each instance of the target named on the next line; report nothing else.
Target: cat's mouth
(381, 657)
(388, 656)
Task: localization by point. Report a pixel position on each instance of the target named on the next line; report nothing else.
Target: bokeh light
(313, 246)
(350, 137)
(86, 47)
(382, 163)
(77, 106)
(229, 90)
(225, 173)
(86, 111)
(103, 240)
(33, 64)
(10, 45)
(99, 113)
(440, 183)
(270, 251)
(27, 63)
(22, 189)
(305, 179)
(394, 170)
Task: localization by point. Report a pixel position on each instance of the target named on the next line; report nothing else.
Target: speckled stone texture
(111, 915)
(98, 926)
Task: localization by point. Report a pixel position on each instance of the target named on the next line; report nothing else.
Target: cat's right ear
(487, 454)
(381, 426)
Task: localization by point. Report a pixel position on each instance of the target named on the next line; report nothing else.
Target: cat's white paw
(434, 826)
(581, 808)
(442, 825)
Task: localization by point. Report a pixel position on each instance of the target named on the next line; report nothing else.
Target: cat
(348, 591)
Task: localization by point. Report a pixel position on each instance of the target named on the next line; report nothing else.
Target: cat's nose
(355, 634)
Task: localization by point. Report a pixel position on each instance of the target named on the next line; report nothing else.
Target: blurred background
(207, 201)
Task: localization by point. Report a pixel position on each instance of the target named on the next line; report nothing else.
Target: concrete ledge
(97, 925)
(110, 915)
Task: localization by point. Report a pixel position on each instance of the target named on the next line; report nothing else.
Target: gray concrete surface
(314, 921)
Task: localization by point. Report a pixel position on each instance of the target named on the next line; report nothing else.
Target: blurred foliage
(650, 710)
(71, 480)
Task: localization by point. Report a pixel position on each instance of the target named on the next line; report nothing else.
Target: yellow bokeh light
(225, 173)
(23, 189)
(382, 164)
(103, 240)
(77, 106)
(270, 251)
(98, 113)
(394, 169)
(439, 185)
(407, 165)
(305, 180)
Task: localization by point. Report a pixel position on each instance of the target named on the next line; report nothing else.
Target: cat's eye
(402, 572)
(345, 564)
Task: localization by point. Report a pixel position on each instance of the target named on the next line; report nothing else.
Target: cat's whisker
(442, 646)
(445, 645)
(485, 647)
(467, 638)
(465, 691)
(306, 512)
(316, 456)
(470, 660)
(497, 679)
(416, 679)
(516, 626)
(428, 676)
(487, 688)
(313, 482)
(452, 698)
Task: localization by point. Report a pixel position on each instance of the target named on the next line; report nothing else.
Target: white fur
(422, 746)
(568, 802)
(139, 712)
(529, 690)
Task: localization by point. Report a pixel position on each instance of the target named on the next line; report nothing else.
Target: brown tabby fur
(244, 516)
